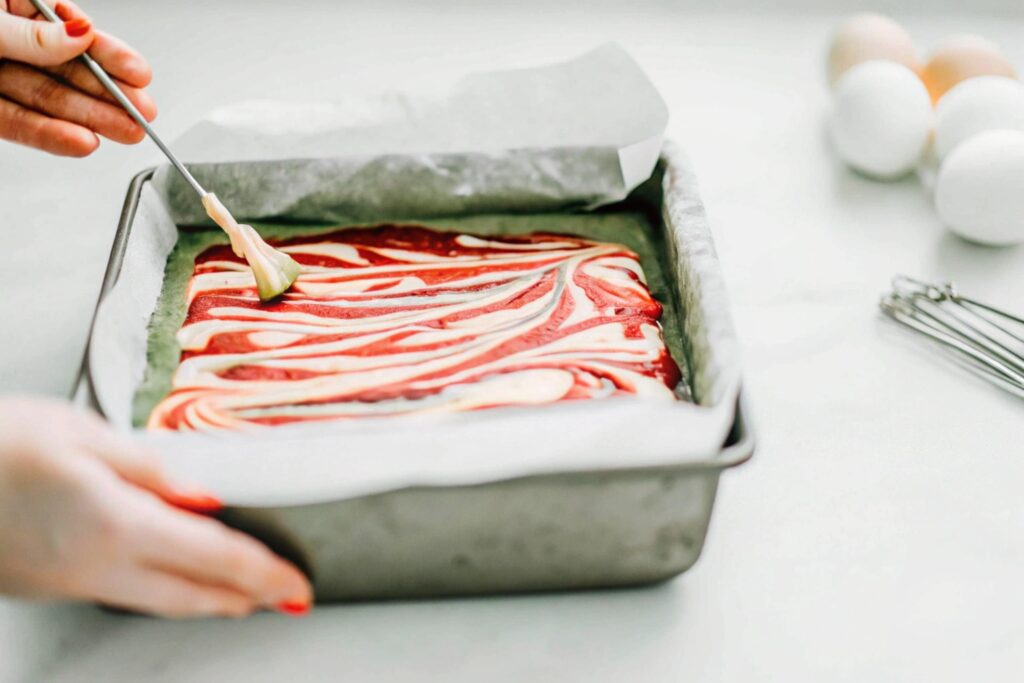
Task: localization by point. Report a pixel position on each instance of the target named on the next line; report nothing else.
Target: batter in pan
(394, 320)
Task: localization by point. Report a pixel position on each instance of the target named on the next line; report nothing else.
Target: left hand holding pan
(86, 514)
(50, 100)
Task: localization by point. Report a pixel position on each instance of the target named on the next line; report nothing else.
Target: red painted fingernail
(295, 608)
(202, 503)
(63, 11)
(76, 28)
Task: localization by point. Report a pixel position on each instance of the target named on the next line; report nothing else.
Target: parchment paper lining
(310, 463)
(582, 133)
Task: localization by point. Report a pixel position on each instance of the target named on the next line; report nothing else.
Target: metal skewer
(119, 95)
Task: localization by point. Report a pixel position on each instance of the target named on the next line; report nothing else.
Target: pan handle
(741, 439)
(117, 249)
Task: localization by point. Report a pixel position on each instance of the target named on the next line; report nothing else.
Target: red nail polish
(295, 608)
(202, 503)
(76, 28)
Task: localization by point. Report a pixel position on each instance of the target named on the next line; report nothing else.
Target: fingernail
(62, 11)
(76, 28)
(202, 503)
(295, 608)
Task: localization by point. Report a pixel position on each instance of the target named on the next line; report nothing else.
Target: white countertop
(878, 534)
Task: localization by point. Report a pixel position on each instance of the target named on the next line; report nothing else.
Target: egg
(960, 58)
(976, 105)
(865, 37)
(881, 119)
(979, 193)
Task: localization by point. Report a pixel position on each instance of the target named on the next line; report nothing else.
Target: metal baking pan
(614, 527)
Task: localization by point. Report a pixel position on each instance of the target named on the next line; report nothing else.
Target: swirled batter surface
(394, 320)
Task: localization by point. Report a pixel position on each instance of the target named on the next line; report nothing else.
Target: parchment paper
(312, 463)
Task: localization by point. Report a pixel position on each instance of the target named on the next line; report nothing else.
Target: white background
(878, 534)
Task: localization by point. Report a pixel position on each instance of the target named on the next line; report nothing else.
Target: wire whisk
(982, 338)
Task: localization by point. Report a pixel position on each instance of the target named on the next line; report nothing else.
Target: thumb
(43, 43)
(140, 466)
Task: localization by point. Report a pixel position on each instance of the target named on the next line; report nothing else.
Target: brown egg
(865, 37)
(960, 58)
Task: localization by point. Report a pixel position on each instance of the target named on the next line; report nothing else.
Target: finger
(152, 591)
(64, 9)
(77, 74)
(43, 43)
(206, 551)
(32, 129)
(46, 95)
(137, 464)
(43, 93)
(120, 60)
(25, 8)
(113, 54)
(129, 460)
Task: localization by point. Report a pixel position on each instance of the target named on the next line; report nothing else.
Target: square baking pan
(557, 530)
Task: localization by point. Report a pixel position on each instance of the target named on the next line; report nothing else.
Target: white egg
(979, 193)
(864, 37)
(881, 119)
(976, 105)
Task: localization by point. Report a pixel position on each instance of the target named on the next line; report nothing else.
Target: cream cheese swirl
(394, 320)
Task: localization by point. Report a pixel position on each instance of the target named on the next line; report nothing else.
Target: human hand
(51, 101)
(84, 515)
